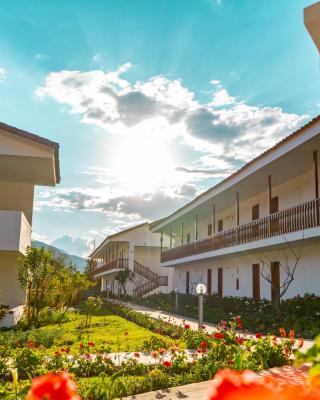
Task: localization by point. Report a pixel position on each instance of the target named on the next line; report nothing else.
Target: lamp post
(201, 291)
(108, 288)
(176, 306)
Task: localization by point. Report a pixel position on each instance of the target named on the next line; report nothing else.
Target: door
(209, 281)
(275, 282)
(255, 213)
(209, 229)
(274, 208)
(256, 281)
(220, 282)
(220, 225)
(187, 282)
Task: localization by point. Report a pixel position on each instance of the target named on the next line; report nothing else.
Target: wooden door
(220, 282)
(275, 282)
(255, 213)
(256, 281)
(274, 208)
(187, 282)
(209, 281)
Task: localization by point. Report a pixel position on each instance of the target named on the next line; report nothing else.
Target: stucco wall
(17, 196)
(240, 266)
(10, 293)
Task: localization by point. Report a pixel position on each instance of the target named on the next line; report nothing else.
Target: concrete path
(180, 320)
(199, 391)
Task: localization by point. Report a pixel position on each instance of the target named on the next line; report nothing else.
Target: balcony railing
(300, 217)
(120, 263)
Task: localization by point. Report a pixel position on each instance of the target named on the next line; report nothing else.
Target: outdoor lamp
(176, 290)
(201, 290)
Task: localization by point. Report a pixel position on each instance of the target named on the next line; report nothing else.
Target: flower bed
(99, 376)
(299, 313)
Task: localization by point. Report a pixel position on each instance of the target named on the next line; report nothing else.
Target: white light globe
(201, 288)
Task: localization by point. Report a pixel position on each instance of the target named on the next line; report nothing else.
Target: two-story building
(256, 230)
(138, 250)
(26, 160)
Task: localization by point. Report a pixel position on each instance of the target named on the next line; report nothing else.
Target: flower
(203, 345)
(218, 335)
(239, 340)
(161, 351)
(186, 326)
(137, 355)
(81, 345)
(300, 343)
(53, 386)
(57, 354)
(154, 354)
(167, 364)
(283, 333)
(291, 334)
(31, 344)
(258, 335)
(90, 344)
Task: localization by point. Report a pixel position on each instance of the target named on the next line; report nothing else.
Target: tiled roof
(38, 139)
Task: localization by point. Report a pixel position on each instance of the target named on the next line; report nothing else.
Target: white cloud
(81, 245)
(40, 56)
(96, 58)
(3, 74)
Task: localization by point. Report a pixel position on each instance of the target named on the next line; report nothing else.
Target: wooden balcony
(298, 218)
(120, 263)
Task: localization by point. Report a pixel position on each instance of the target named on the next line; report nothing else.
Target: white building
(257, 221)
(26, 160)
(136, 249)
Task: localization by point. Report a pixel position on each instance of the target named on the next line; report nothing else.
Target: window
(220, 282)
(220, 225)
(209, 229)
(188, 237)
(255, 212)
(187, 282)
(256, 281)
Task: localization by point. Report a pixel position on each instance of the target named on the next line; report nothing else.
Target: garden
(300, 313)
(76, 344)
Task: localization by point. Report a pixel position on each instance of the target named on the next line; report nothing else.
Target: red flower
(53, 387)
(161, 351)
(154, 354)
(203, 345)
(258, 335)
(234, 385)
(167, 364)
(187, 326)
(30, 344)
(282, 332)
(90, 344)
(137, 355)
(239, 340)
(57, 354)
(300, 343)
(81, 345)
(291, 334)
(218, 335)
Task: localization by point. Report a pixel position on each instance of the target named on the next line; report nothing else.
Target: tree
(122, 277)
(66, 288)
(90, 268)
(287, 267)
(34, 273)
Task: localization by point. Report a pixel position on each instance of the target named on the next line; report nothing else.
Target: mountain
(79, 262)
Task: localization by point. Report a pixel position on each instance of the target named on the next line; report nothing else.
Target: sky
(151, 101)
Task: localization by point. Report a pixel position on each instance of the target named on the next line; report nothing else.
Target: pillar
(182, 233)
(196, 227)
(269, 193)
(131, 255)
(315, 174)
(213, 219)
(238, 209)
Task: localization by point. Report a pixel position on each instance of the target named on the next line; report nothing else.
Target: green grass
(105, 330)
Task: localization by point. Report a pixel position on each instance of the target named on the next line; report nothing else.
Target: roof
(37, 139)
(244, 167)
(116, 234)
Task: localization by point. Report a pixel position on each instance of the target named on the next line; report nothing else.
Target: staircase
(153, 280)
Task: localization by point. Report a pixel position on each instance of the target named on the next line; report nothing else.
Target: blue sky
(151, 101)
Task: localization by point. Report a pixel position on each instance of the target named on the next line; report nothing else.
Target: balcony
(15, 231)
(298, 218)
(120, 263)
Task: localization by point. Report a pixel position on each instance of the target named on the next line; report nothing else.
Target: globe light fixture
(176, 306)
(201, 290)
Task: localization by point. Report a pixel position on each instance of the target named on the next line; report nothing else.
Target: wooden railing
(144, 271)
(301, 217)
(150, 285)
(119, 263)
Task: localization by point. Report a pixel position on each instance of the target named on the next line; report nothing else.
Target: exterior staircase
(153, 280)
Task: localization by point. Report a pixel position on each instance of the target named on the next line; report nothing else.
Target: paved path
(180, 320)
(199, 391)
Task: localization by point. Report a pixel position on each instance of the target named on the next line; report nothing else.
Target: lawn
(106, 329)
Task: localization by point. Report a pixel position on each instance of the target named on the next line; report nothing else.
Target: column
(196, 227)
(316, 184)
(213, 219)
(238, 209)
(182, 233)
(170, 237)
(103, 284)
(161, 242)
(131, 256)
(269, 193)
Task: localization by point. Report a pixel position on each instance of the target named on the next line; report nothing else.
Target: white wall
(307, 276)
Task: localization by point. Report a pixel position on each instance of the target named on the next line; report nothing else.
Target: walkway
(199, 391)
(180, 320)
